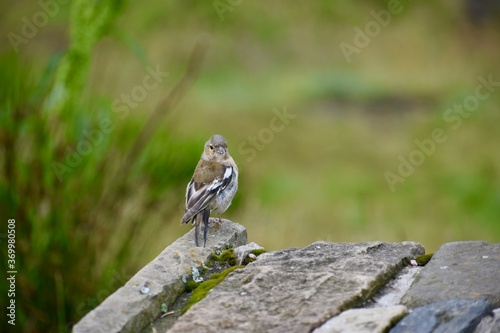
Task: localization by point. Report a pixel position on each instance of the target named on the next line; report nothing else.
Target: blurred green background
(321, 103)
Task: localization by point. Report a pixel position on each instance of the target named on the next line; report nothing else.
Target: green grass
(452, 196)
(320, 178)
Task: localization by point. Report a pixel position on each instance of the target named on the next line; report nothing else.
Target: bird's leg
(206, 217)
(196, 229)
(205, 228)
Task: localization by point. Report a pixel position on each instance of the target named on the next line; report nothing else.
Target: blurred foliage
(89, 216)
(89, 22)
(69, 247)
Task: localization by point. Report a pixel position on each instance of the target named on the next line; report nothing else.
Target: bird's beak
(220, 150)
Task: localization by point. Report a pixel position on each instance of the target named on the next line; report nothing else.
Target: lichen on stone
(224, 260)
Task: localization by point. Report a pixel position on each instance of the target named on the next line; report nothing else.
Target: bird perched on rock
(213, 186)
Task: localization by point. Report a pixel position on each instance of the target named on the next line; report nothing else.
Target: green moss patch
(223, 262)
(203, 288)
(420, 260)
(191, 285)
(424, 259)
(227, 256)
(257, 253)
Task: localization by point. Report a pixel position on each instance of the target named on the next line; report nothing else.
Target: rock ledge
(138, 302)
(322, 288)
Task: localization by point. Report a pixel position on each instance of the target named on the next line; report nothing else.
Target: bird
(212, 187)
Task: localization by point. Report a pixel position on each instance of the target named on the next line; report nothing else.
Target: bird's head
(216, 148)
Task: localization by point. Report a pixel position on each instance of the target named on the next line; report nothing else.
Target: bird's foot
(215, 222)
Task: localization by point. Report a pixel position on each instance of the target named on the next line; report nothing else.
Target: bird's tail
(188, 216)
(201, 218)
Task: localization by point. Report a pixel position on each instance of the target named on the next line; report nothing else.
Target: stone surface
(396, 288)
(457, 316)
(373, 320)
(241, 252)
(138, 302)
(490, 324)
(297, 290)
(452, 273)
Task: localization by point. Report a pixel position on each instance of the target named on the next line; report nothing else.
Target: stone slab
(138, 302)
(298, 289)
(489, 324)
(373, 320)
(457, 316)
(395, 289)
(453, 273)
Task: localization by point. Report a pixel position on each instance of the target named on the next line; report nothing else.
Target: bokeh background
(321, 103)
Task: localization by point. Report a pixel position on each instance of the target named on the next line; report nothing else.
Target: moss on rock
(191, 285)
(257, 253)
(203, 288)
(226, 256)
(424, 259)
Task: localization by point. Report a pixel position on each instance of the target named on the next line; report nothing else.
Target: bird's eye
(211, 147)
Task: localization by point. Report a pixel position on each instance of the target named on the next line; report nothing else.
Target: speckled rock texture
(460, 270)
(297, 289)
(138, 302)
(457, 316)
(322, 288)
(373, 320)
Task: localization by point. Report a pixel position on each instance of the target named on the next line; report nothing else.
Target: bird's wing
(200, 194)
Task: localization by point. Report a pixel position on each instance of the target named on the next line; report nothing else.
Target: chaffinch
(213, 186)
